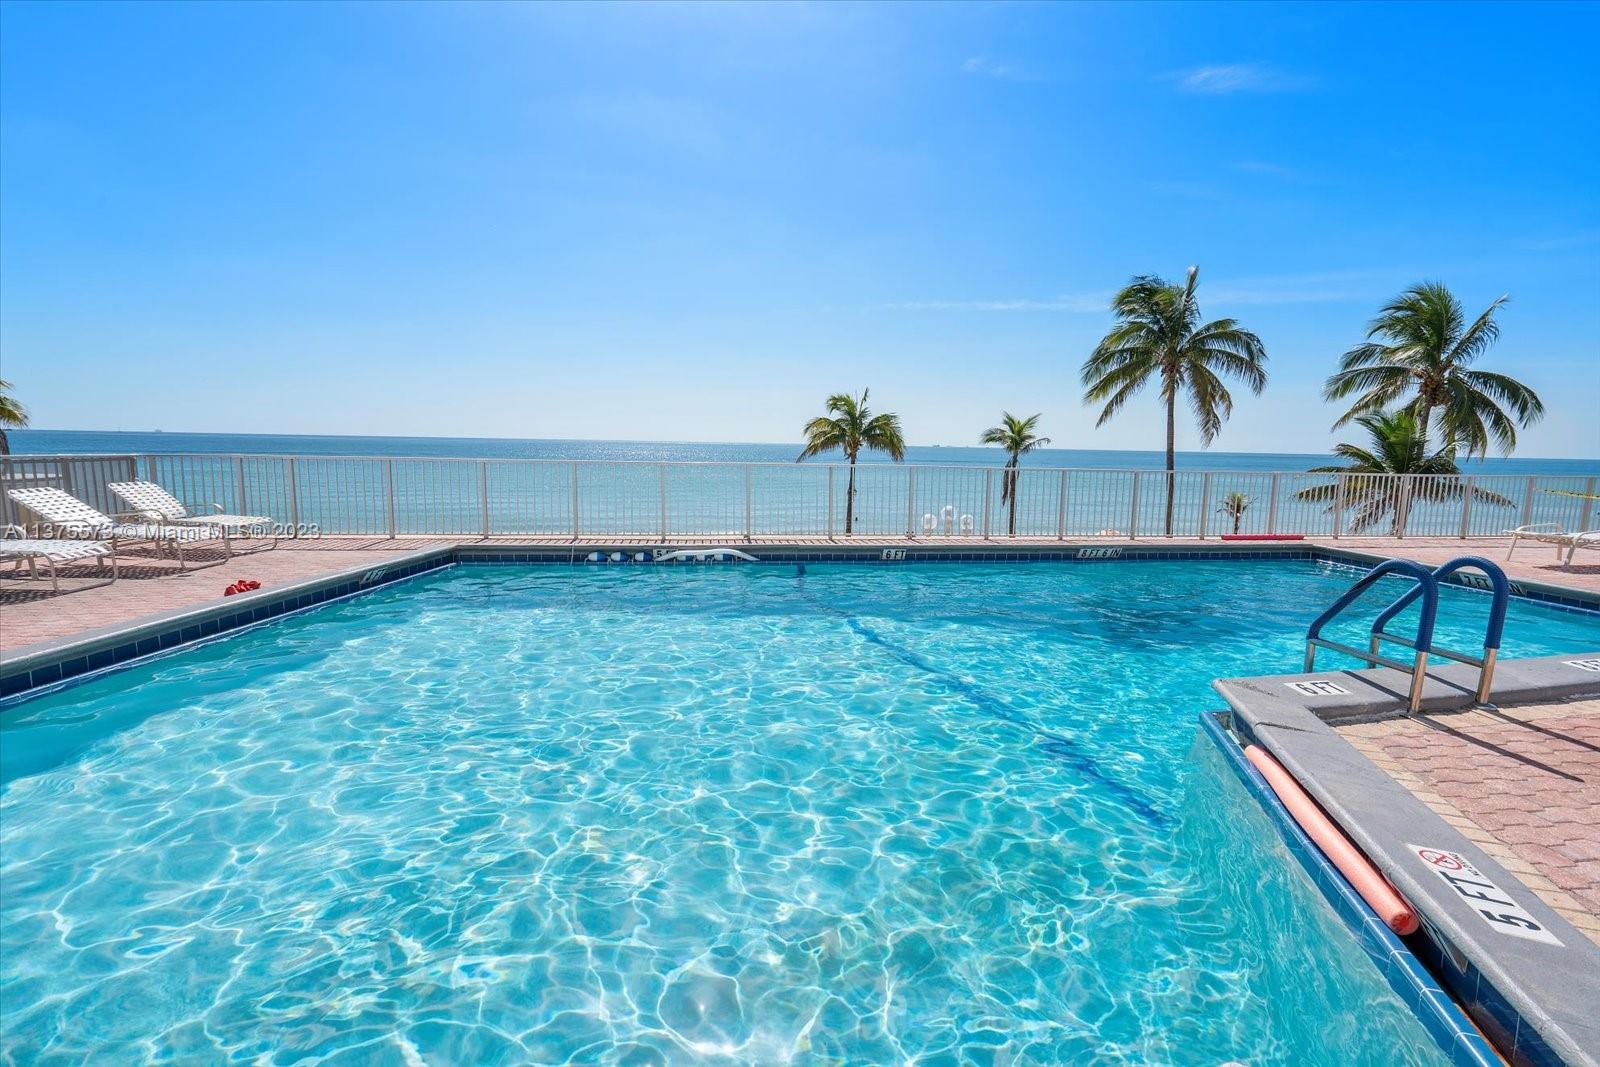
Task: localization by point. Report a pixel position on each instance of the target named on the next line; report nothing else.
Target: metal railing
(1427, 588)
(556, 498)
(1421, 645)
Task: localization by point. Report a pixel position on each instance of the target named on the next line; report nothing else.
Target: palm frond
(1478, 337)
(1159, 333)
(1420, 346)
(12, 414)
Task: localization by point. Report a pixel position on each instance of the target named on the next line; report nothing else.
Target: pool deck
(31, 613)
(1522, 783)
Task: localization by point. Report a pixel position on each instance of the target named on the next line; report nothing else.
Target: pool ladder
(1421, 645)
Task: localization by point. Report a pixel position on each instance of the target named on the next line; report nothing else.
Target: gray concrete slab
(1345, 695)
(1555, 987)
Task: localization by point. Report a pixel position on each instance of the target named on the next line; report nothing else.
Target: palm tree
(1159, 335)
(1397, 447)
(1234, 505)
(1420, 346)
(12, 415)
(1016, 436)
(852, 427)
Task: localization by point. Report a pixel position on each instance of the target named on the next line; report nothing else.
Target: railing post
(483, 493)
(911, 501)
(1339, 488)
(575, 524)
(749, 502)
(1061, 510)
(1466, 507)
(1527, 503)
(1205, 503)
(388, 496)
(1588, 506)
(238, 485)
(830, 503)
(1405, 505)
(1133, 508)
(661, 479)
(1272, 505)
(150, 468)
(294, 495)
(988, 499)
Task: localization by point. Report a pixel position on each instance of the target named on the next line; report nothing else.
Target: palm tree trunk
(1012, 480)
(850, 499)
(1172, 437)
(5, 444)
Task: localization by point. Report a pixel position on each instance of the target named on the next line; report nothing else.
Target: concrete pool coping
(1537, 1000)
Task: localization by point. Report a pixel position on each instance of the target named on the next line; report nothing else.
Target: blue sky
(694, 222)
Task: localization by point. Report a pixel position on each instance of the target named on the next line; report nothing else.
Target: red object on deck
(1263, 537)
(1374, 888)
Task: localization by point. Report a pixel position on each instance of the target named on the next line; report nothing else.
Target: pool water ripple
(648, 816)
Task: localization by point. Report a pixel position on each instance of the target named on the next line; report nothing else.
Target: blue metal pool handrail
(1500, 589)
(1427, 587)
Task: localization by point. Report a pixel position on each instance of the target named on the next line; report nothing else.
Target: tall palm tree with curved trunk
(1420, 347)
(13, 415)
(1017, 437)
(1159, 337)
(849, 427)
(1397, 445)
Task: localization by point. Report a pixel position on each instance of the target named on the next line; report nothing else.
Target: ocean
(52, 442)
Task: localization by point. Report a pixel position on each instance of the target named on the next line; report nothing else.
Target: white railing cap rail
(999, 460)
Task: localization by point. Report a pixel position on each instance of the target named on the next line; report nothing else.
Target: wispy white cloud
(1185, 190)
(987, 67)
(1580, 239)
(1259, 166)
(1077, 303)
(1224, 78)
(1289, 294)
(1328, 287)
(644, 118)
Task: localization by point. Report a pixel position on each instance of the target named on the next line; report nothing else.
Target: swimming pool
(753, 814)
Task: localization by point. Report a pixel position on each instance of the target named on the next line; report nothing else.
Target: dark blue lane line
(1062, 748)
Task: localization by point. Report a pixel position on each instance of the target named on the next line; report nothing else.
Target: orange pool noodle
(1374, 888)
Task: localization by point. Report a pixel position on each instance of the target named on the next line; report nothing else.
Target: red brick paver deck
(1523, 783)
(30, 612)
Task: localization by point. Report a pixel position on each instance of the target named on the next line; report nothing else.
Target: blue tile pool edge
(88, 657)
(1408, 976)
(35, 671)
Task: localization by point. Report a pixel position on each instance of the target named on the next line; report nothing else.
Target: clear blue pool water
(865, 815)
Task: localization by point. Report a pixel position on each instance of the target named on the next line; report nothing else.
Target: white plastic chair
(17, 548)
(1552, 533)
(66, 514)
(153, 502)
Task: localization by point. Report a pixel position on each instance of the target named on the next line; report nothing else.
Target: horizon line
(685, 441)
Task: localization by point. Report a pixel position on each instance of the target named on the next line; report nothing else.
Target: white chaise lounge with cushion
(71, 518)
(17, 548)
(1552, 533)
(153, 502)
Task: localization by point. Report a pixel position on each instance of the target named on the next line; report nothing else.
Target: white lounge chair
(151, 501)
(71, 518)
(17, 548)
(1552, 533)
